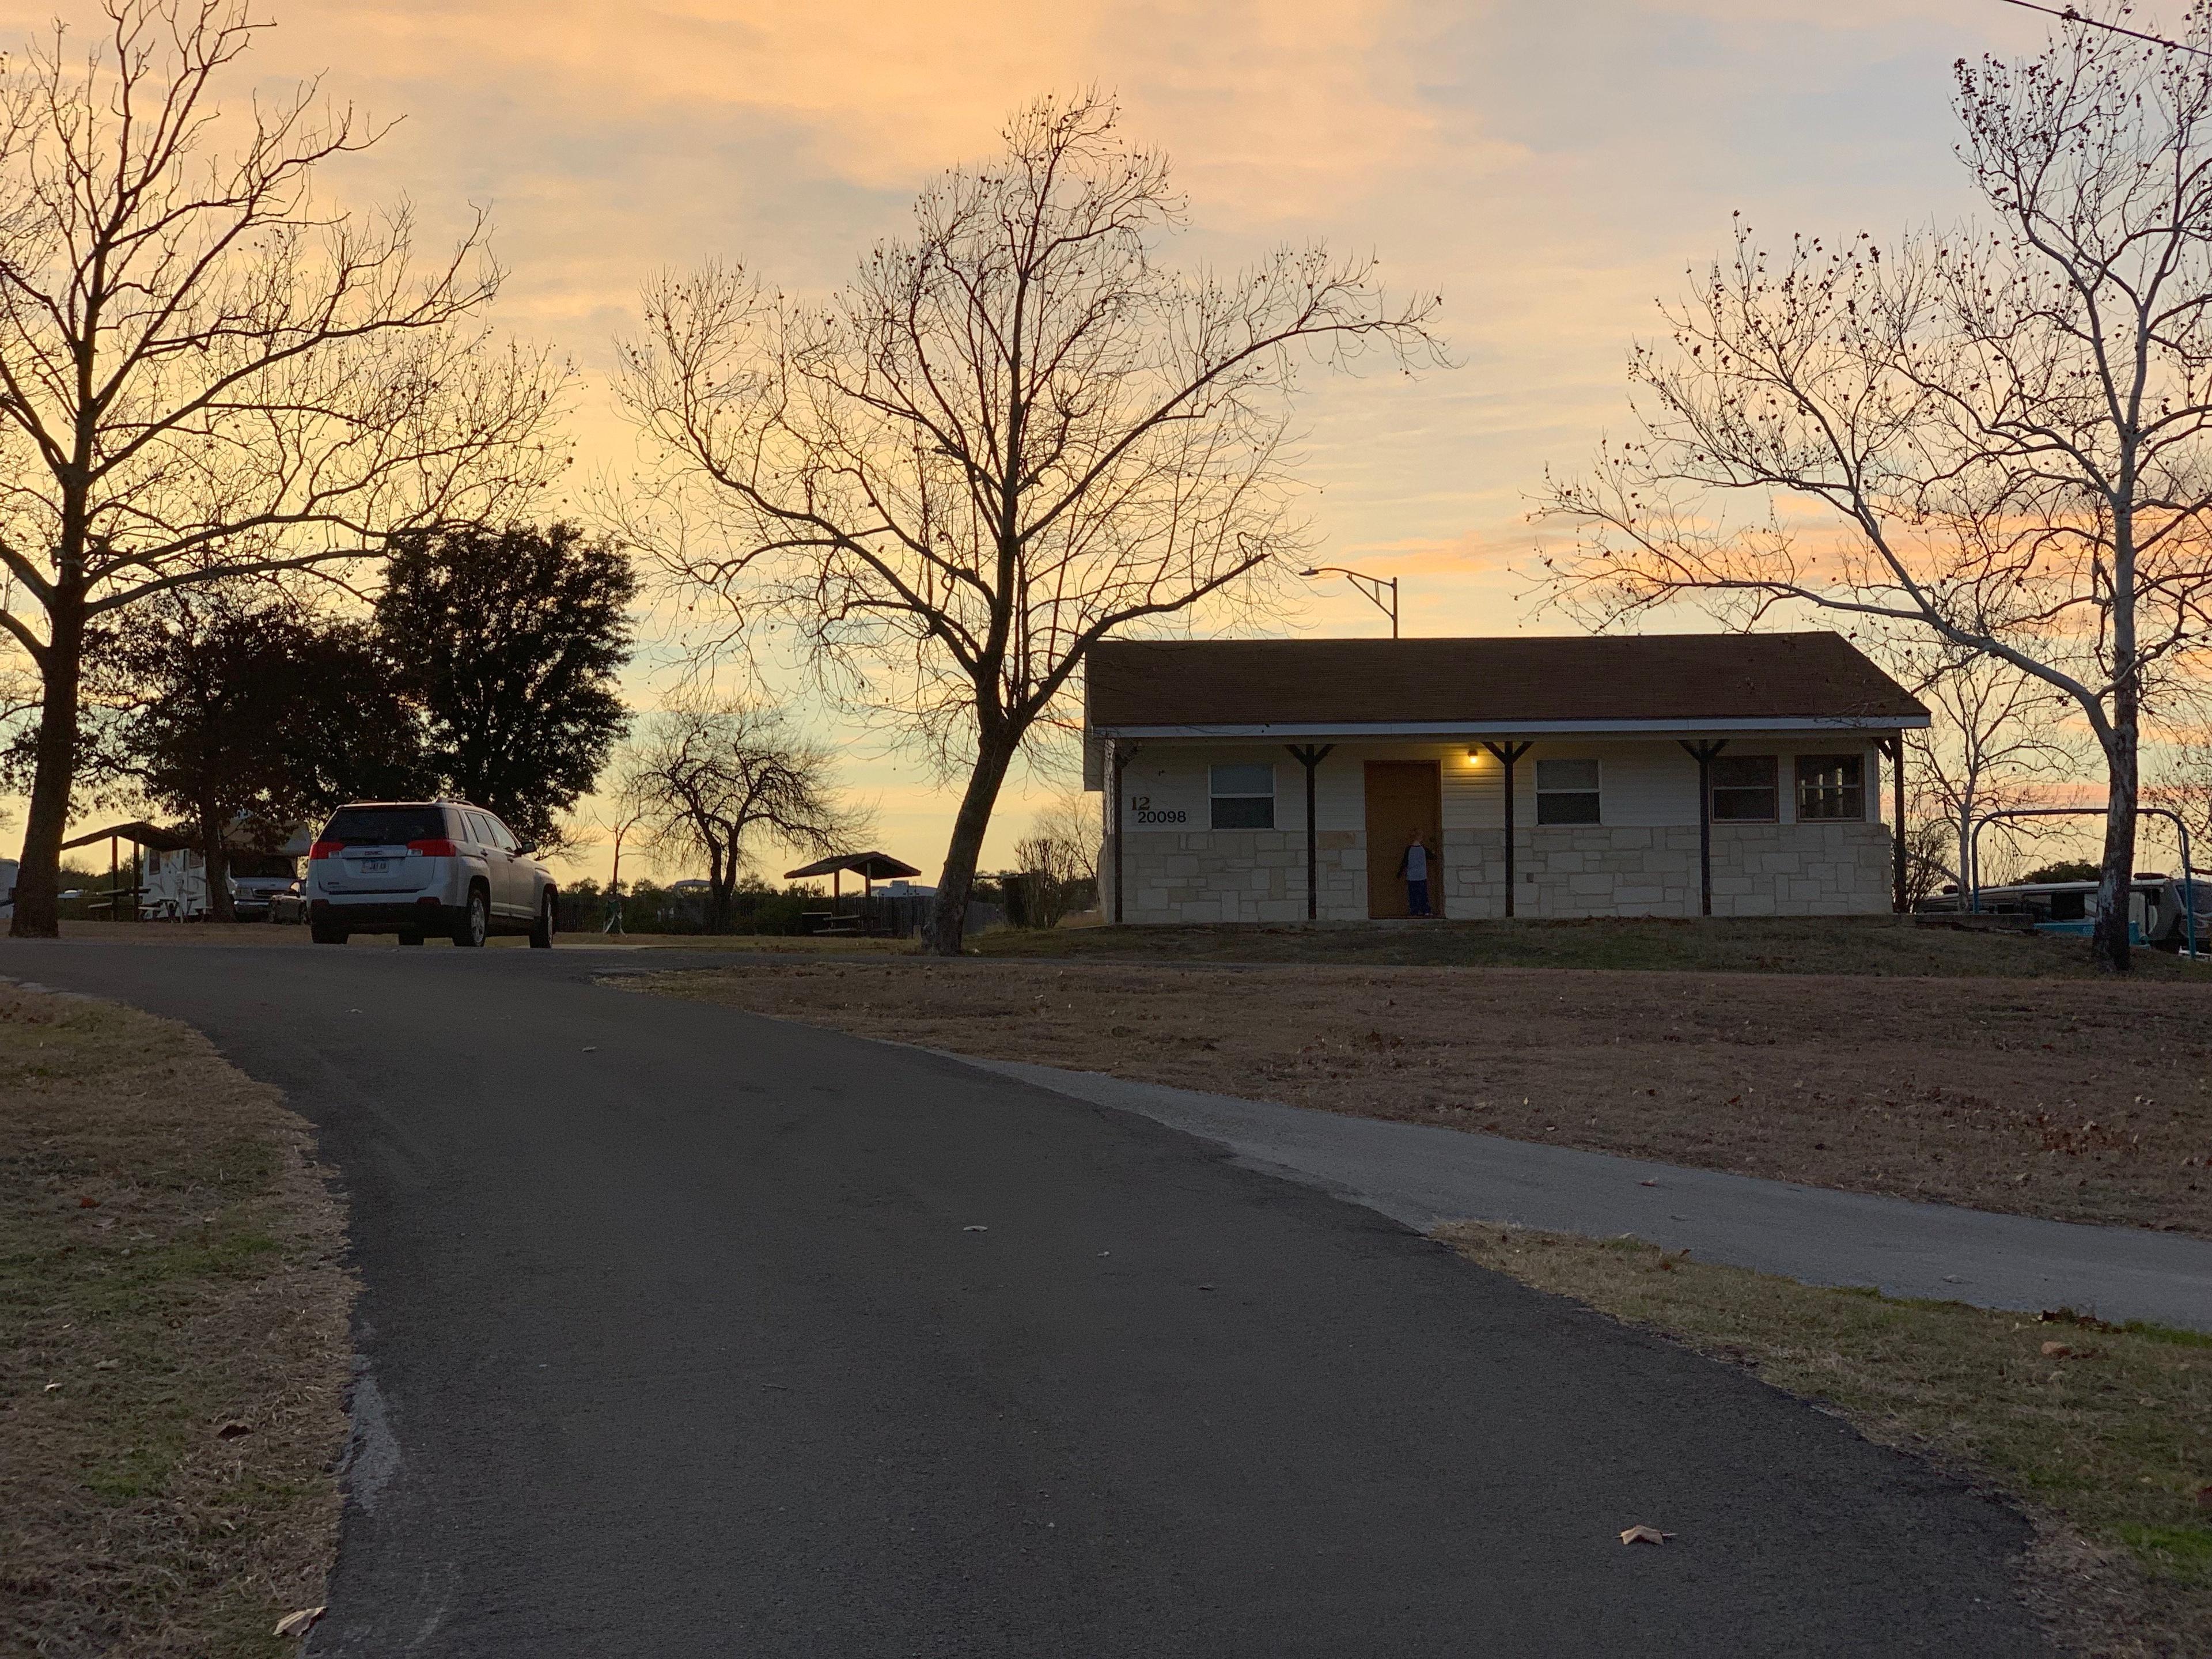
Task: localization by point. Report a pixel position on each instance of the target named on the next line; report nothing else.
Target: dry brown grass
(2106, 1441)
(173, 1347)
(266, 934)
(1883, 945)
(2082, 1100)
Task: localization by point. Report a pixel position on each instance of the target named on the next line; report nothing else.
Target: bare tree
(1058, 862)
(711, 780)
(623, 814)
(1072, 819)
(1008, 436)
(204, 373)
(1999, 739)
(1999, 435)
(2179, 775)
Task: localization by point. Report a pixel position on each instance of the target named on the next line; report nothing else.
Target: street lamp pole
(1371, 587)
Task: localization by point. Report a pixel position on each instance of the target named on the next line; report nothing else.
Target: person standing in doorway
(1414, 868)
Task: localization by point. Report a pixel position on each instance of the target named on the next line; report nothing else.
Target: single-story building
(1727, 774)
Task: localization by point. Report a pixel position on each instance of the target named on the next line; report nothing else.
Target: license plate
(375, 866)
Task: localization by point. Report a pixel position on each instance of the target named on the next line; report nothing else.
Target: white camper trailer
(176, 888)
(166, 877)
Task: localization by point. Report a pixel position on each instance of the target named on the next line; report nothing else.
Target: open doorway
(1404, 798)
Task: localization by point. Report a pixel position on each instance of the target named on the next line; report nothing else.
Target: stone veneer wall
(1758, 869)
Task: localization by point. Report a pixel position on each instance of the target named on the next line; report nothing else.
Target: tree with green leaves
(236, 715)
(208, 371)
(509, 641)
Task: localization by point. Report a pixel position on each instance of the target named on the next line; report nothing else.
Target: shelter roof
(875, 867)
(1522, 683)
(138, 831)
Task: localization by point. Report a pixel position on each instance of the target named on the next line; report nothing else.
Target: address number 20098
(1147, 813)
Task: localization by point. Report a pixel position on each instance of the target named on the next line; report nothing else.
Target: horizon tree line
(1016, 430)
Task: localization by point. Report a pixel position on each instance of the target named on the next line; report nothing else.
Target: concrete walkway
(1422, 1176)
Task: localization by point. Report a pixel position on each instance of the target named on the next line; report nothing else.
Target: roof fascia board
(1529, 728)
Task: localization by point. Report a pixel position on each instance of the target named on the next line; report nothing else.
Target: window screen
(1243, 796)
(1744, 789)
(1567, 792)
(1831, 787)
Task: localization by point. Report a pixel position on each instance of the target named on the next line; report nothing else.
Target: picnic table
(871, 867)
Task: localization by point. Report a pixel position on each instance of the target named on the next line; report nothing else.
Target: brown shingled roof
(1319, 683)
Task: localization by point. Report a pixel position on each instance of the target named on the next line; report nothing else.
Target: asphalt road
(687, 1333)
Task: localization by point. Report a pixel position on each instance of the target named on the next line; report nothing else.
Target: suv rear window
(384, 826)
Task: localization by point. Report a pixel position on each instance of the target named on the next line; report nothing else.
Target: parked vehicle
(262, 877)
(2157, 913)
(415, 868)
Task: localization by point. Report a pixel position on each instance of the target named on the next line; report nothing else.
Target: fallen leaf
(49, 1388)
(1647, 1183)
(106, 1364)
(233, 1431)
(976, 1230)
(1644, 1535)
(300, 1622)
(87, 1203)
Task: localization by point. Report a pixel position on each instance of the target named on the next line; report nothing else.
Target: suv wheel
(472, 929)
(541, 932)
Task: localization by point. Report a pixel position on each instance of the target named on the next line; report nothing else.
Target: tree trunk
(1969, 878)
(948, 922)
(2109, 945)
(718, 896)
(215, 854)
(38, 878)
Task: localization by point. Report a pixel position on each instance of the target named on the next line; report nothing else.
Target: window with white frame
(1832, 789)
(1243, 796)
(1567, 792)
(1745, 790)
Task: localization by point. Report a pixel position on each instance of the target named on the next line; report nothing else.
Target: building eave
(1661, 728)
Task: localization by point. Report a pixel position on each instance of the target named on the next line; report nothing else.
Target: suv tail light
(326, 849)
(436, 848)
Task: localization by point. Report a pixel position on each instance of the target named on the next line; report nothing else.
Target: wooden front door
(1402, 797)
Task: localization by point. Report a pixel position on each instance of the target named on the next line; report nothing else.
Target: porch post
(1508, 753)
(1703, 751)
(1116, 755)
(1893, 750)
(1310, 756)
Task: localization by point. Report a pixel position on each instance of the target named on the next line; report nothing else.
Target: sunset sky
(1550, 167)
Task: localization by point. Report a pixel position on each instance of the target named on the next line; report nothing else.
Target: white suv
(415, 868)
